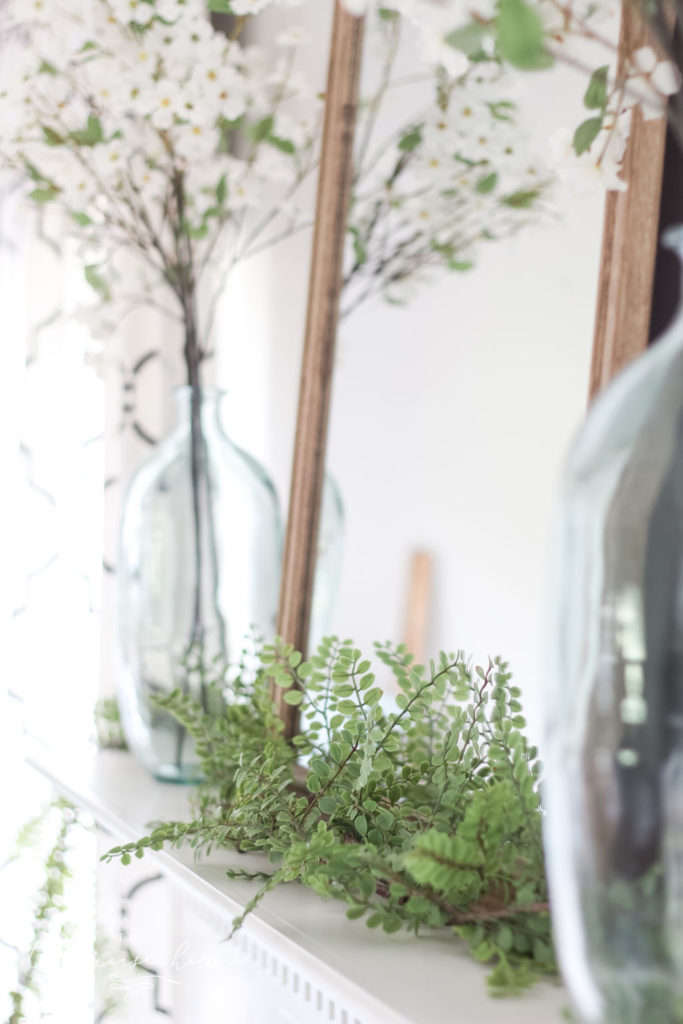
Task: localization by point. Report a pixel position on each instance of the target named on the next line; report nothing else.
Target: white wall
(450, 422)
(450, 418)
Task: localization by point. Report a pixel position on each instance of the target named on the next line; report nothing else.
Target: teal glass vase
(614, 746)
(198, 573)
(330, 558)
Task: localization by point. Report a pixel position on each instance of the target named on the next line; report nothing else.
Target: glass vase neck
(210, 400)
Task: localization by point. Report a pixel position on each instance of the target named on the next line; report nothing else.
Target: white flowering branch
(531, 35)
(153, 130)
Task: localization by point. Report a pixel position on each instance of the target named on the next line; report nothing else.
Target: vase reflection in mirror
(199, 574)
(328, 569)
(614, 743)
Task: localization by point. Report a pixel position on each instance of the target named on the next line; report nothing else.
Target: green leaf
(293, 697)
(596, 93)
(282, 678)
(436, 860)
(91, 134)
(82, 219)
(521, 37)
(343, 690)
(411, 140)
(219, 6)
(373, 696)
(353, 913)
(52, 137)
(505, 938)
(466, 161)
(387, 14)
(261, 130)
(360, 255)
(222, 190)
(366, 883)
(542, 951)
(487, 183)
(521, 200)
(42, 195)
(468, 38)
(96, 281)
(33, 173)
(483, 952)
(385, 818)
(347, 707)
(284, 145)
(502, 110)
(586, 134)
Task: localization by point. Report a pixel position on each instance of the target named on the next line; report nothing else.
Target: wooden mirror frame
(630, 234)
(317, 368)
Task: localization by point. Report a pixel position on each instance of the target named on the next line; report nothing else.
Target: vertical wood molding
(334, 188)
(629, 242)
(418, 606)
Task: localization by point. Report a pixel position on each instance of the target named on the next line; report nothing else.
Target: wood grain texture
(629, 243)
(334, 189)
(418, 605)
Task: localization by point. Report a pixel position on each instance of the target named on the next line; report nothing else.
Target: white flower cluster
(584, 33)
(580, 33)
(157, 132)
(128, 112)
(462, 175)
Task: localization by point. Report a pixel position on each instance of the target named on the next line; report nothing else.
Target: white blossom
(295, 35)
(164, 102)
(589, 173)
(666, 78)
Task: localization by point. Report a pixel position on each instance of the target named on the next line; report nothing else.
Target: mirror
(451, 415)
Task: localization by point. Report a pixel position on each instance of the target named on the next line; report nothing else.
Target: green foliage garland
(108, 725)
(49, 906)
(425, 815)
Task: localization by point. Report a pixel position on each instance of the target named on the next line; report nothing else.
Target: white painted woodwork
(298, 959)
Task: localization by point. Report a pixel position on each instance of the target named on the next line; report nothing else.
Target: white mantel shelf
(359, 975)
